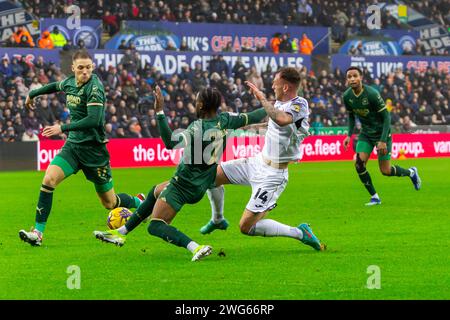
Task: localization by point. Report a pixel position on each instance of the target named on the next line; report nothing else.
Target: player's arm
(381, 108)
(351, 124)
(244, 119)
(256, 126)
(377, 101)
(94, 118)
(280, 117)
(47, 89)
(170, 141)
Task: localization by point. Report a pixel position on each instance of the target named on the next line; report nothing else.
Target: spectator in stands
(23, 42)
(69, 45)
(110, 23)
(58, 39)
(29, 136)
(184, 46)
(10, 135)
(18, 37)
(219, 65)
(420, 48)
(31, 122)
(45, 42)
(35, 84)
(255, 77)
(285, 44)
(5, 67)
(153, 128)
(407, 124)
(275, 43)
(45, 114)
(306, 45)
(123, 45)
(304, 11)
(10, 42)
(340, 28)
(81, 44)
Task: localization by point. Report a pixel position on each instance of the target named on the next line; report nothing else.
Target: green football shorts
(366, 144)
(92, 159)
(177, 194)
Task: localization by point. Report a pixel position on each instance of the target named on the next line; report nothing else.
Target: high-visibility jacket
(275, 44)
(58, 39)
(24, 32)
(306, 46)
(45, 42)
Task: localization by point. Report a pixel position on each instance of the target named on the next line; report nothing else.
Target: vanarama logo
(73, 99)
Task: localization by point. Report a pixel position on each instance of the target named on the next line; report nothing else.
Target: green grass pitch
(407, 237)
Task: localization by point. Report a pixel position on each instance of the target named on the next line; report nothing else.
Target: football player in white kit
(267, 173)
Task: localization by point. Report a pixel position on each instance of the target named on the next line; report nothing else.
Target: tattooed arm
(280, 117)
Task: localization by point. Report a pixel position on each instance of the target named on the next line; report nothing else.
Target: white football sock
(272, 228)
(216, 199)
(192, 246)
(123, 230)
(376, 196)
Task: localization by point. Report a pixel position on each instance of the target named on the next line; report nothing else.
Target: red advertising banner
(134, 153)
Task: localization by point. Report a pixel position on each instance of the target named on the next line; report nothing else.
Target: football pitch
(407, 239)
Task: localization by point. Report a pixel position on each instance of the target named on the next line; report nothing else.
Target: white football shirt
(282, 144)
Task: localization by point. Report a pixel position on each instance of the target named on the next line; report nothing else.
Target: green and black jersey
(371, 110)
(203, 142)
(87, 108)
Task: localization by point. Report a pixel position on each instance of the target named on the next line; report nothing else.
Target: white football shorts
(267, 182)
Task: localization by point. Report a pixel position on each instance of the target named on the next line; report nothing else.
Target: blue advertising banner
(30, 55)
(384, 65)
(90, 31)
(433, 35)
(207, 37)
(370, 47)
(13, 15)
(171, 62)
(406, 39)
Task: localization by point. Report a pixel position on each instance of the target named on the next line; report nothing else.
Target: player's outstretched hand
(52, 130)
(159, 100)
(255, 91)
(346, 143)
(29, 103)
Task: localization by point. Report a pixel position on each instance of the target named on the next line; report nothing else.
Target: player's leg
(387, 169)
(364, 148)
(111, 200)
(118, 237)
(94, 161)
(254, 224)
(61, 167)
(268, 184)
(144, 210)
(169, 203)
(237, 170)
(393, 171)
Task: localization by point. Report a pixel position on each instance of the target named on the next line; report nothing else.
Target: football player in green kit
(365, 102)
(203, 142)
(85, 148)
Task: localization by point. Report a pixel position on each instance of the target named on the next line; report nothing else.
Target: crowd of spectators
(346, 17)
(436, 11)
(414, 98)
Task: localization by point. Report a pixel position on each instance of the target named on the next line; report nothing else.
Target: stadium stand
(414, 98)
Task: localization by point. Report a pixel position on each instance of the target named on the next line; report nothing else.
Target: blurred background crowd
(414, 98)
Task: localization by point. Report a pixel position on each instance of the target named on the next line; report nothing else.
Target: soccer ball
(118, 217)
